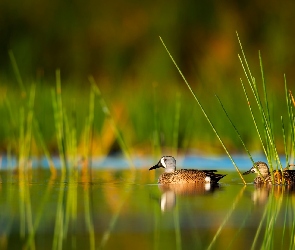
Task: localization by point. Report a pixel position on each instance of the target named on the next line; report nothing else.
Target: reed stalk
(204, 112)
(44, 147)
(59, 122)
(235, 128)
(111, 119)
(291, 125)
(88, 138)
(17, 73)
(156, 142)
(175, 135)
(269, 148)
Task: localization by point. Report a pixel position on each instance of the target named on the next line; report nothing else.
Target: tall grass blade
(204, 112)
(21, 157)
(176, 125)
(44, 147)
(235, 128)
(59, 122)
(290, 101)
(89, 128)
(13, 121)
(285, 142)
(29, 124)
(109, 116)
(157, 151)
(17, 73)
(270, 148)
(254, 120)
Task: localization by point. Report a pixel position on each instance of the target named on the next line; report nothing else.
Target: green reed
(204, 112)
(156, 142)
(17, 73)
(59, 122)
(42, 143)
(268, 144)
(267, 140)
(89, 127)
(291, 125)
(175, 136)
(235, 128)
(113, 124)
(285, 141)
(267, 136)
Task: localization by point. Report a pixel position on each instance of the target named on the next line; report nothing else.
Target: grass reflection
(126, 194)
(231, 210)
(118, 209)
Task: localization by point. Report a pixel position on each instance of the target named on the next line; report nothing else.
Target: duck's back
(289, 177)
(184, 176)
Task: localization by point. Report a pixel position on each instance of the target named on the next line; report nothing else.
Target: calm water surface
(121, 209)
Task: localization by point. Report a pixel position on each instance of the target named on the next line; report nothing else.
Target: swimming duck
(264, 176)
(184, 176)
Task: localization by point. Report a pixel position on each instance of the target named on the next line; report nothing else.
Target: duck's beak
(248, 172)
(158, 165)
(251, 170)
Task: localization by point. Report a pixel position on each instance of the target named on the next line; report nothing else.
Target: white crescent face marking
(163, 162)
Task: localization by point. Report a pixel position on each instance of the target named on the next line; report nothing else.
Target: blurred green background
(118, 43)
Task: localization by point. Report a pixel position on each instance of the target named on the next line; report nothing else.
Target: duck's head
(260, 168)
(167, 162)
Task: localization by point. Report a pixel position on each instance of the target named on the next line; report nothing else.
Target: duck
(184, 176)
(279, 177)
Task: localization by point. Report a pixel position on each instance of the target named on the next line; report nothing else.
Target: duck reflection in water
(262, 192)
(171, 191)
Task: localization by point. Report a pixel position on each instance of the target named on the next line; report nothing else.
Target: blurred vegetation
(117, 42)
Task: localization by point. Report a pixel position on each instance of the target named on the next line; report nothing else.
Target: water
(115, 208)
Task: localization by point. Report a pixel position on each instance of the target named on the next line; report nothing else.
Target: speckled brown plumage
(184, 176)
